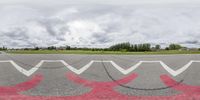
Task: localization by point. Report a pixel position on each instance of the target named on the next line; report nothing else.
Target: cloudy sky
(98, 23)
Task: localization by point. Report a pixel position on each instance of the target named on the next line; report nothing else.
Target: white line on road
(84, 68)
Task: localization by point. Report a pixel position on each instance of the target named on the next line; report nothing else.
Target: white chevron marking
(84, 68)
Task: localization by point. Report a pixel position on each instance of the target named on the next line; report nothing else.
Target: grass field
(99, 52)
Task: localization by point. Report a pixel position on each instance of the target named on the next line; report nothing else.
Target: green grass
(99, 52)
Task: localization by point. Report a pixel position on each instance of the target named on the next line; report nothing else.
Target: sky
(98, 23)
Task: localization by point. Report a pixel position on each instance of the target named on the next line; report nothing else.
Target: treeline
(174, 47)
(3, 48)
(142, 47)
(130, 47)
(124, 47)
(66, 48)
(118, 47)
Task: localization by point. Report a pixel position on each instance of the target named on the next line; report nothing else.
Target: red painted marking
(180, 87)
(100, 90)
(95, 84)
(104, 90)
(14, 90)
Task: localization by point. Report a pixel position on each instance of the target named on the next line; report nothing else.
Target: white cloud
(100, 26)
(111, 2)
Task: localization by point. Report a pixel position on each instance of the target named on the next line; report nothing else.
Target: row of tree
(130, 47)
(66, 48)
(141, 47)
(174, 47)
(117, 47)
(3, 48)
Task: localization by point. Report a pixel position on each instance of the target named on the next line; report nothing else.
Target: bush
(167, 48)
(174, 47)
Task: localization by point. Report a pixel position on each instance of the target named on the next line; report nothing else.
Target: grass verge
(100, 52)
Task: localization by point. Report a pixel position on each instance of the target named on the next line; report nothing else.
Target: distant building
(188, 49)
(193, 49)
(184, 49)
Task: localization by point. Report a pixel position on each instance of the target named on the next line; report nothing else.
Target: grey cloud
(50, 24)
(15, 37)
(103, 25)
(101, 38)
(17, 33)
(89, 2)
(194, 42)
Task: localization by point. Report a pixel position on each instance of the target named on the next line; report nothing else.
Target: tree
(68, 47)
(136, 47)
(130, 47)
(3, 48)
(174, 47)
(51, 48)
(140, 47)
(121, 46)
(157, 47)
(36, 48)
(147, 47)
(144, 47)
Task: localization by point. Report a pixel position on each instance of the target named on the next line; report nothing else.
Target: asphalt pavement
(42, 76)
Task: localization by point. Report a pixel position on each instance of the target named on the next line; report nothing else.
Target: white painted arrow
(84, 68)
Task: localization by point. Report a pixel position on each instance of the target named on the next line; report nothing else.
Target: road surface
(99, 77)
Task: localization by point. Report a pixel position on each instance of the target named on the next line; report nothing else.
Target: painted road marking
(84, 68)
(99, 90)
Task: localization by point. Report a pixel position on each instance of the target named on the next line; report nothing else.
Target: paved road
(98, 77)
